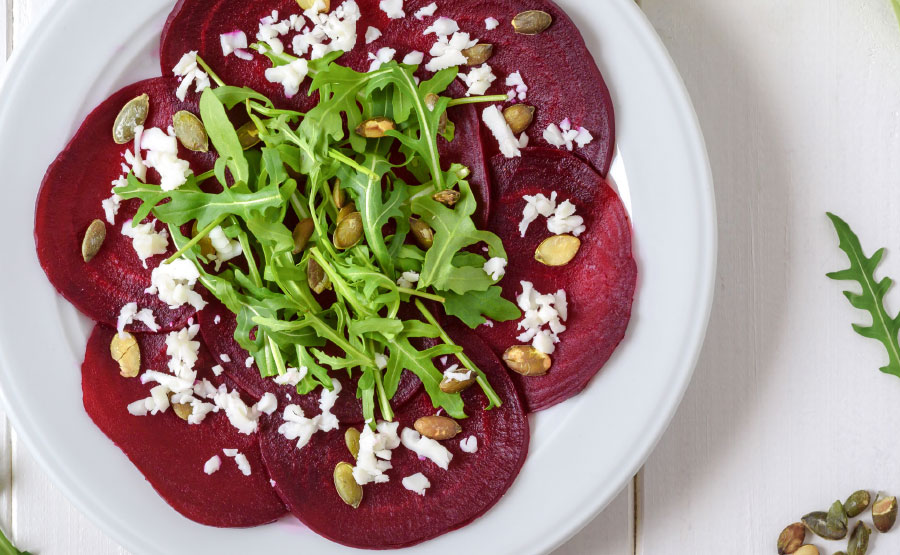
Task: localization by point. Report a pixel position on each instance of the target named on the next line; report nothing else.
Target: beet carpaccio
(336, 254)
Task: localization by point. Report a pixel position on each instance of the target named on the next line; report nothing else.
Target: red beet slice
(168, 451)
(220, 338)
(391, 516)
(70, 199)
(599, 282)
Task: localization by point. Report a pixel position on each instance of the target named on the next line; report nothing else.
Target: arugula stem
(478, 99)
(204, 176)
(276, 355)
(493, 398)
(424, 295)
(244, 240)
(209, 70)
(383, 402)
(196, 239)
(337, 155)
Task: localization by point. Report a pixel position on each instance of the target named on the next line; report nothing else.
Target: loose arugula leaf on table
(884, 327)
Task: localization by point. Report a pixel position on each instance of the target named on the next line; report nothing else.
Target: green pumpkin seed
(351, 492)
(816, 522)
(422, 233)
(857, 503)
(131, 115)
(884, 512)
(456, 386)
(308, 4)
(183, 410)
(93, 240)
(837, 518)
(302, 233)
(338, 195)
(519, 117)
(431, 101)
(351, 438)
(526, 360)
(346, 211)
(124, 349)
(206, 247)
(859, 539)
(248, 135)
(531, 22)
(557, 250)
(349, 231)
(447, 197)
(375, 128)
(438, 428)
(478, 54)
(791, 538)
(840, 553)
(190, 131)
(316, 277)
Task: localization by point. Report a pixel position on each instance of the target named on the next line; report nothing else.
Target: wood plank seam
(8, 21)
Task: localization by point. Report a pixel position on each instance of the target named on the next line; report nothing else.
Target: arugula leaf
(223, 136)
(896, 5)
(884, 328)
(7, 548)
(474, 306)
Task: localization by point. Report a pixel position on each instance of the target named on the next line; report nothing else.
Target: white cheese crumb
(242, 463)
(381, 361)
(383, 56)
(226, 249)
(337, 27)
(479, 79)
(272, 483)
(541, 310)
(417, 483)
(112, 204)
(245, 419)
(564, 220)
(190, 72)
(519, 88)
(217, 320)
(174, 284)
(523, 140)
(217, 370)
(268, 404)
(426, 447)
(130, 313)
(297, 426)
(393, 8)
(451, 374)
(373, 459)
(414, 58)
(491, 23)
(426, 11)
(565, 136)
(248, 362)
(328, 421)
(292, 377)
(408, 280)
(372, 34)
(162, 156)
(488, 323)
(212, 465)
(225, 358)
(536, 205)
(448, 52)
(442, 27)
(235, 40)
(509, 145)
(495, 267)
(290, 76)
(147, 242)
(469, 444)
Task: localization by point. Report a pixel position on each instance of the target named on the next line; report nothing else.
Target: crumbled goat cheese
(297, 426)
(381, 361)
(536, 205)
(205, 389)
(292, 377)
(226, 249)
(217, 320)
(383, 56)
(417, 483)
(290, 76)
(495, 267)
(541, 310)
(235, 40)
(183, 352)
(426, 11)
(488, 323)
(225, 358)
(157, 402)
(374, 456)
(162, 155)
(393, 8)
(448, 52)
(338, 27)
(174, 284)
(523, 140)
(212, 465)
(469, 444)
(426, 447)
(190, 72)
(414, 58)
(442, 27)
(519, 88)
(147, 242)
(268, 404)
(451, 374)
(372, 34)
(408, 280)
(242, 463)
(248, 362)
(269, 31)
(245, 419)
(130, 313)
(479, 79)
(134, 161)
(328, 421)
(491, 23)
(564, 220)
(112, 204)
(564, 135)
(217, 370)
(495, 121)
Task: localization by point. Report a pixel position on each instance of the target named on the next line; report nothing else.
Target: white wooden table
(800, 105)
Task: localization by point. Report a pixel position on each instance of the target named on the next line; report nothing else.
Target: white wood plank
(611, 533)
(787, 411)
(25, 13)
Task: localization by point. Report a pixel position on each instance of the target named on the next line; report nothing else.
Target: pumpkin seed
(316, 277)
(857, 503)
(375, 128)
(447, 197)
(791, 538)
(93, 240)
(308, 4)
(183, 410)
(557, 250)
(351, 438)
(190, 131)
(456, 386)
(351, 492)
(478, 54)
(531, 22)
(349, 231)
(518, 117)
(807, 549)
(124, 349)
(884, 512)
(859, 539)
(437, 427)
(338, 195)
(345, 211)
(206, 247)
(422, 233)
(302, 232)
(816, 522)
(840, 553)
(131, 115)
(431, 101)
(836, 519)
(526, 360)
(248, 135)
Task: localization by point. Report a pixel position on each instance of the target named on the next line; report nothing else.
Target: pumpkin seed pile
(834, 524)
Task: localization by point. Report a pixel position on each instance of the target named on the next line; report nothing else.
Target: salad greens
(370, 324)
(884, 328)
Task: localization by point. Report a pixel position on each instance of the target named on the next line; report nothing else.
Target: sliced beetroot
(391, 516)
(599, 282)
(168, 451)
(220, 339)
(70, 199)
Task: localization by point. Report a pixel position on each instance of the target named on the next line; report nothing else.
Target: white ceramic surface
(582, 452)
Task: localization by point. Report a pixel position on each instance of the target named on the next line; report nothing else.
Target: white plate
(582, 452)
